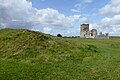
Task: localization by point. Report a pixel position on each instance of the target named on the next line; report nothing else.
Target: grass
(29, 55)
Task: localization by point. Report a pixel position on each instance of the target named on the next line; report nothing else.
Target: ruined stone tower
(84, 30)
(86, 33)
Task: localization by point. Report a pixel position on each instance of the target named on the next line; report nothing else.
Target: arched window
(91, 34)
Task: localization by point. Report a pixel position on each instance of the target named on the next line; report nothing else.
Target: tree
(59, 35)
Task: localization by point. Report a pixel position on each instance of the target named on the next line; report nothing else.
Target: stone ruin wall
(86, 33)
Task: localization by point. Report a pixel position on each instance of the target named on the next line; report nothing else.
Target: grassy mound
(29, 55)
(35, 47)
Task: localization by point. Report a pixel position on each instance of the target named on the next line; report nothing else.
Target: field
(29, 55)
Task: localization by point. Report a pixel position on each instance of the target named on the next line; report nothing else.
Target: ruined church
(86, 33)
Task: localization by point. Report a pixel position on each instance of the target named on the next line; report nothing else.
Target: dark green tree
(59, 35)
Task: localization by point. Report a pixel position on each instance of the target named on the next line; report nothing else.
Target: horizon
(61, 17)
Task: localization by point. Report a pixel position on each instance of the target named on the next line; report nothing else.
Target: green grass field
(29, 55)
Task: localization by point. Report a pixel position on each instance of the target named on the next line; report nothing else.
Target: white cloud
(108, 25)
(12, 14)
(42, 0)
(78, 8)
(84, 20)
(11, 10)
(25, 16)
(111, 23)
(106, 21)
(86, 1)
(51, 17)
(95, 26)
(111, 8)
(102, 28)
(115, 2)
(2, 25)
(75, 10)
(115, 20)
(47, 30)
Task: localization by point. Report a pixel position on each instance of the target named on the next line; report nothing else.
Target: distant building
(86, 33)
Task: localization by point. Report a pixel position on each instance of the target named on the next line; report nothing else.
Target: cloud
(86, 1)
(47, 30)
(115, 20)
(78, 8)
(103, 29)
(115, 2)
(108, 25)
(11, 10)
(75, 10)
(12, 14)
(25, 16)
(112, 8)
(2, 25)
(42, 0)
(51, 17)
(84, 20)
(111, 20)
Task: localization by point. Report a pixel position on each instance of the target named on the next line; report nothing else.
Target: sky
(61, 16)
